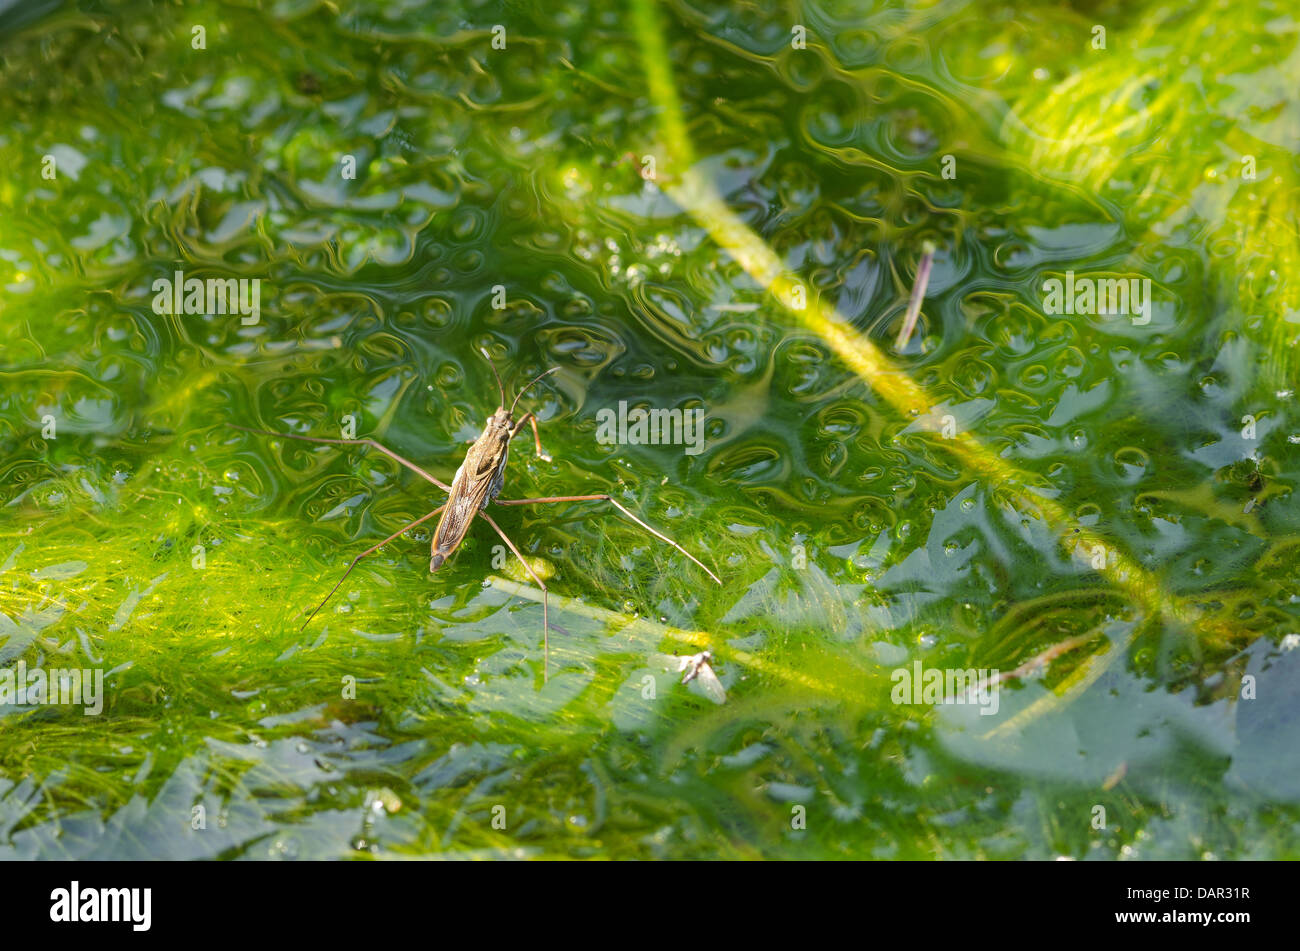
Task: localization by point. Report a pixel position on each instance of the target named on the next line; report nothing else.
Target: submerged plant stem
(652, 633)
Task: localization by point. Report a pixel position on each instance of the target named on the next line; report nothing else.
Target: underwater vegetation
(957, 339)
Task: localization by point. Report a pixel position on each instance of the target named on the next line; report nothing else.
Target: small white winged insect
(696, 667)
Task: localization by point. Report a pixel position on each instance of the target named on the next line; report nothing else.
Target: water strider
(476, 485)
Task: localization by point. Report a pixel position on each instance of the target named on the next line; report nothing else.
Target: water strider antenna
(500, 388)
(521, 392)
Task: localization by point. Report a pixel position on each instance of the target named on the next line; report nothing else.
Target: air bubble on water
(285, 849)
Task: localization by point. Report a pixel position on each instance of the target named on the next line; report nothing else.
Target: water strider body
(477, 484)
(481, 476)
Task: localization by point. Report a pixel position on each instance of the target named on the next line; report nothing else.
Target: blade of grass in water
(918, 295)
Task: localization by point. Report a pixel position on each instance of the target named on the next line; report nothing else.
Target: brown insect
(476, 485)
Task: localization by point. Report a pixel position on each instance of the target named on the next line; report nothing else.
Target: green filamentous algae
(1018, 583)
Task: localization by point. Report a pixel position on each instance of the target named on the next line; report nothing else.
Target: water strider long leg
(537, 437)
(546, 638)
(370, 551)
(350, 442)
(614, 502)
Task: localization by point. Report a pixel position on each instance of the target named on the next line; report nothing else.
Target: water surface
(150, 540)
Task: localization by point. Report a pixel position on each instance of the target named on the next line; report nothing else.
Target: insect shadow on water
(476, 485)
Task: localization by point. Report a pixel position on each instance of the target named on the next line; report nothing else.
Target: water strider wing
(469, 492)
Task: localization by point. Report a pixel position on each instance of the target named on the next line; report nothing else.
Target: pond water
(1096, 505)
